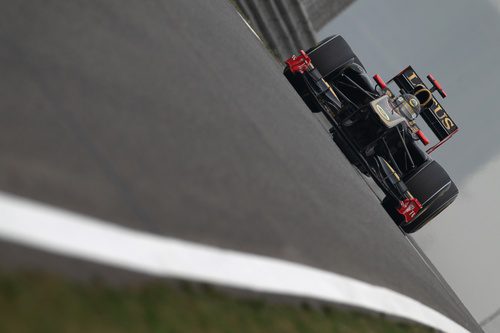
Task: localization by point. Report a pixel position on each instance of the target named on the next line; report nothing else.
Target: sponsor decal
(413, 102)
(382, 113)
(434, 105)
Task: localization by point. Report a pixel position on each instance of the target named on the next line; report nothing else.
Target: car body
(377, 129)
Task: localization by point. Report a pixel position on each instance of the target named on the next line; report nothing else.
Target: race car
(376, 128)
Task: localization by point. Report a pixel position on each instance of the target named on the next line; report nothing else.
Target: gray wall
(289, 25)
(321, 12)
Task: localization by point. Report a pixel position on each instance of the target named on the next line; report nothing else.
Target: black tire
(432, 185)
(329, 56)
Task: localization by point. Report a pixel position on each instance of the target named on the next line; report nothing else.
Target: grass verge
(37, 302)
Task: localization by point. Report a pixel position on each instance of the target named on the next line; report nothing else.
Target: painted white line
(58, 231)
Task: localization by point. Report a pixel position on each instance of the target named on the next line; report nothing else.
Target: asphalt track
(170, 117)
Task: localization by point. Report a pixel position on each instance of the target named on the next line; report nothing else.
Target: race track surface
(171, 117)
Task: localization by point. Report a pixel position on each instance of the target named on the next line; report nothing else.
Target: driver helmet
(409, 106)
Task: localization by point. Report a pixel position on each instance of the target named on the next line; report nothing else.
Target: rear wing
(432, 112)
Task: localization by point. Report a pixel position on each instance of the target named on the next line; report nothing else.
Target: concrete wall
(289, 25)
(321, 12)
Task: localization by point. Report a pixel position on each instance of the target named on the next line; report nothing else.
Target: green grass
(36, 302)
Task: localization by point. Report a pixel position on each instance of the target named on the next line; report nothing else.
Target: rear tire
(429, 185)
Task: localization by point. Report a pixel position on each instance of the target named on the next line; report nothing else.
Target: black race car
(377, 130)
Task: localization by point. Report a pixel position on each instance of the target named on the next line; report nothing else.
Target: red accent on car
(422, 137)
(409, 208)
(380, 82)
(440, 143)
(299, 63)
(437, 85)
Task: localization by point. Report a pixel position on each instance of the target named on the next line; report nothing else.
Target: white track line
(58, 231)
(249, 26)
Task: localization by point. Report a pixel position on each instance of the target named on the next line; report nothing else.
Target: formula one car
(377, 130)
